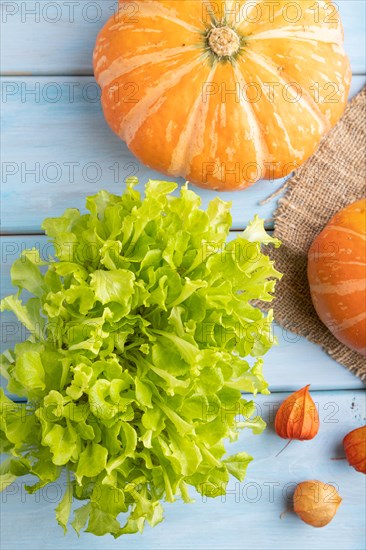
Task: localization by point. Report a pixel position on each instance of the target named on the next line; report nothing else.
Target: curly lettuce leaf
(144, 334)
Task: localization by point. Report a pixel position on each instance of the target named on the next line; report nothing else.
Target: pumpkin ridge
(260, 142)
(348, 323)
(292, 151)
(253, 6)
(303, 36)
(346, 287)
(330, 255)
(128, 65)
(310, 106)
(230, 13)
(158, 10)
(136, 117)
(307, 99)
(340, 229)
(184, 149)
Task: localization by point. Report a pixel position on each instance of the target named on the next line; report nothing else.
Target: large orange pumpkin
(337, 275)
(222, 92)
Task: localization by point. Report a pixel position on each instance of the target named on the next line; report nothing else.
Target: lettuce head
(143, 336)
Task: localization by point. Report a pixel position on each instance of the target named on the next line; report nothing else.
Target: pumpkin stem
(223, 41)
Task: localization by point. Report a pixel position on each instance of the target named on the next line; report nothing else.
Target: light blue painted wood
(58, 37)
(290, 365)
(249, 516)
(55, 153)
(53, 132)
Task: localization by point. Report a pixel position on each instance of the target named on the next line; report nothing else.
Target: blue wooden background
(56, 149)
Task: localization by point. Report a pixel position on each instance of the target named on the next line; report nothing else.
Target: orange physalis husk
(297, 417)
(355, 447)
(316, 503)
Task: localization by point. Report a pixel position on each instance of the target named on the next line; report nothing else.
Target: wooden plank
(250, 514)
(291, 365)
(58, 37)
(57, 149)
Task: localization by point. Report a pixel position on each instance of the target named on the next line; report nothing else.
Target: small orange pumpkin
(337, 275)
(222, 93)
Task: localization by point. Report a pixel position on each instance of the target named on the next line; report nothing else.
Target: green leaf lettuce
(143, 337)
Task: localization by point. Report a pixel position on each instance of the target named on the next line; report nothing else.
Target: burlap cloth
(332, 178)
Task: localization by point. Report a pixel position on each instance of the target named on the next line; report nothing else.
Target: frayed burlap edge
(334, 177)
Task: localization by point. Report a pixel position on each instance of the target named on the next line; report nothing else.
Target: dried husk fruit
(315, 502)
(297, 417)
(354, 445)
